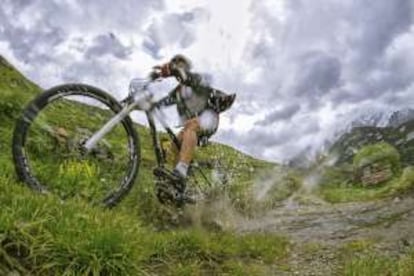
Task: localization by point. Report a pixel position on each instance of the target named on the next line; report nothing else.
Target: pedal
(170, 188)
(158, 172)
(182, 199)
(164, 173)
(165, 192)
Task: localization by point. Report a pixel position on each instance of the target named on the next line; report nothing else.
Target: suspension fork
(155, 139)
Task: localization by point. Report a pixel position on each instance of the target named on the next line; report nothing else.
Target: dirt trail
(390, 219)
(389, 223)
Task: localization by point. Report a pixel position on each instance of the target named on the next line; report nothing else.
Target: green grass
(380, 152)
(86, 178)
(15, 90)
(43, 235)
(360, 258)
(342, 184)
(351, 192)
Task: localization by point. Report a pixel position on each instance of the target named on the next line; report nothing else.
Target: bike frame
(146, 104)
(160, 157)
(143, 103)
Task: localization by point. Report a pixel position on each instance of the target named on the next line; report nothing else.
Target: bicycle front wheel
(48, 139)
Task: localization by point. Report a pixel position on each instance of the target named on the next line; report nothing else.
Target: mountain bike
(76, 140)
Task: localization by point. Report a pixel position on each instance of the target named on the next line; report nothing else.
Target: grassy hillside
(44, 235)
(400, 136)
(343, 182)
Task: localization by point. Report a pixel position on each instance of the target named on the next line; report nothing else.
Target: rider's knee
(192, 125)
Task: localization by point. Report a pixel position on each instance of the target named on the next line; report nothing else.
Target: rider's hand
(161, 71)
(167, 70)
(154, 75)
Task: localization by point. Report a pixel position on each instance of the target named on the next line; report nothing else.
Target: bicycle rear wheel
(47, 146)
(204, 182)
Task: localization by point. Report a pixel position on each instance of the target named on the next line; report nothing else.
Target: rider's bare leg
(188, 138)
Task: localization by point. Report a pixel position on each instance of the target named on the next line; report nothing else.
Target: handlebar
(137, 85)
(139, 94)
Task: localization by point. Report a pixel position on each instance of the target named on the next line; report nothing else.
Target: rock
(374, 174)
(62, 132)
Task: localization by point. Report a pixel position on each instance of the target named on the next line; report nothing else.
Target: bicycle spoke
(53, 148)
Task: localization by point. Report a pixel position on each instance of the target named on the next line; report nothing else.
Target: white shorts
(208, 121)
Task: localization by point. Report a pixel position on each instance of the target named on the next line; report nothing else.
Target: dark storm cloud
(107, 44)
(124, 15)
(4, 23)
(84, 68)
(32, 47)
(338, 54)
(83, 41)
(317, 74)
(254, 142)
(342, 97)
(324, 47)
(28, 45)
(34, 29)
(260, 138)
(284, 113)
(86, 14)
(172, 29)
(317, 58)
(375, 25)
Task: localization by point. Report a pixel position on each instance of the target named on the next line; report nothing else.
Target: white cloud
(300, 68)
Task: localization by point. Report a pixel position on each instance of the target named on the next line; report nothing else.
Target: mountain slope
(15, 89)
(42, 235)
(400, 136)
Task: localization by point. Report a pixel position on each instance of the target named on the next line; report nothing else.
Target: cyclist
(198, 107)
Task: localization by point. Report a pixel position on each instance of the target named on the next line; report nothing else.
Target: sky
(302, 70)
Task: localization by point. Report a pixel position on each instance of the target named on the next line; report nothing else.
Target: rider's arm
(184, 77)
(168, 100)
(194, 80)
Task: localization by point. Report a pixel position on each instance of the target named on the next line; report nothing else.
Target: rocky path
(390, 219)
(320, 229)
